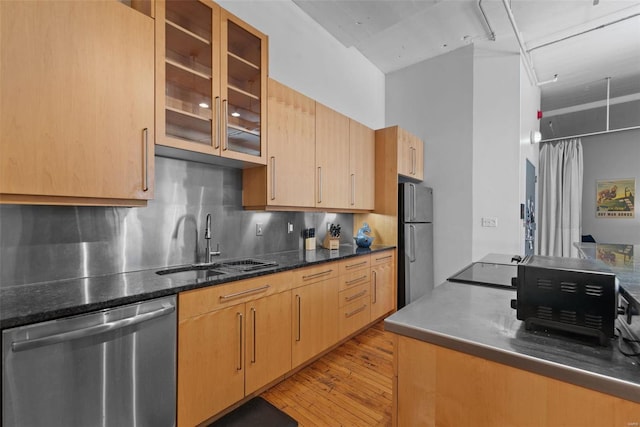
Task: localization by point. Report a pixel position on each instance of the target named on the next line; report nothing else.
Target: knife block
(331, 243)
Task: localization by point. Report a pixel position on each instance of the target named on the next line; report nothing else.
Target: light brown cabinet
(288, 179)
(383, 283)
(314, 302)
(354, 302)
(232, 340)
(410, 155)
(77, 96)
(332, 159)
(211, 81)
(362, 151)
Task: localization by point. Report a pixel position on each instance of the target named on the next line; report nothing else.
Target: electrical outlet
(490, 222)
(259, 229)
(289, 228)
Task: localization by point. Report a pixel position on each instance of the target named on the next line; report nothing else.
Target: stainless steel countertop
(479, 321)
(39, 302)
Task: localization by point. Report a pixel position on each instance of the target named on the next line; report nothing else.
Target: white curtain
(560, 189)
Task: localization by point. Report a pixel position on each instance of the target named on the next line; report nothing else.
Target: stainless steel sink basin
(202, 269)
(249, 264)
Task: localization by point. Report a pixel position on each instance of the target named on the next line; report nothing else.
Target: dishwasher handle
(29, 344)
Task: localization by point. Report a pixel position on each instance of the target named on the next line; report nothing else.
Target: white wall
(496, 152)
(303, 56)
(433, 99)
(529, 106)
(611, 156)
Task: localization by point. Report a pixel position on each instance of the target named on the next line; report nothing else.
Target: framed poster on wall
(615, 198)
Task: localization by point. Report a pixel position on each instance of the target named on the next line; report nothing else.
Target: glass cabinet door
(192, 101)
(244, 69)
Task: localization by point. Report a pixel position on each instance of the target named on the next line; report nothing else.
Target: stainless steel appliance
(415, 242)
(498, 270)
(567, 294)
(114, 367)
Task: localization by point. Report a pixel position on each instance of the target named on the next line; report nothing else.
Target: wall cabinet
(211, 81)
(77, 96)
(288, 179)
(314, 302)
(232, 340)
(362, 170)
(332, 159)
(383, 284)
(317, 158)
(410, 155)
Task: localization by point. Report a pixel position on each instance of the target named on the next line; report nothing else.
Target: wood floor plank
(350, 386)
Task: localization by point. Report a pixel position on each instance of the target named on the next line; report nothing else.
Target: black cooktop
(487, 273)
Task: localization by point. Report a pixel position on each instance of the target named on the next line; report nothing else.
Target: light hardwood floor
(350, 386)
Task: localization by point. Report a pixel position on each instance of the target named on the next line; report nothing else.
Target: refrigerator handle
(412, 243)
(412, 190)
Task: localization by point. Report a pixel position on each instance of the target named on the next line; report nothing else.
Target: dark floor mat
(256, 412)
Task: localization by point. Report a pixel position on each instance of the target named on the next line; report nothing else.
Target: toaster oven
(568, 294)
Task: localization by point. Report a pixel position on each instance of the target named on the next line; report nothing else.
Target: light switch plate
(259, 229)
(490, 222)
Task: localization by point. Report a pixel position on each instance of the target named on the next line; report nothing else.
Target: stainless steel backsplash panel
(44, 243)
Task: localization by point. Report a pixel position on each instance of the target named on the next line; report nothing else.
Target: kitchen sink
(219, 268)
(249, 264)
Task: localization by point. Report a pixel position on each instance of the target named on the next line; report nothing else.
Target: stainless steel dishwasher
(115, 367)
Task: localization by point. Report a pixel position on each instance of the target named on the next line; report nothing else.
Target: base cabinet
(383, 284)
(436, 386)
(228, 348)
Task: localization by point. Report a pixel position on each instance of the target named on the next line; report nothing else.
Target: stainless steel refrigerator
(415, 242)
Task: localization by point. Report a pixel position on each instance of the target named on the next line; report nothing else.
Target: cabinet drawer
(356, 293)
(353, 316)
(199, 301)
(306, 275)
(382, 257)
(354, 263)
(355, 278)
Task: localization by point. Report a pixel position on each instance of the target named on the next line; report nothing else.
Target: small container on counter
(309, 235)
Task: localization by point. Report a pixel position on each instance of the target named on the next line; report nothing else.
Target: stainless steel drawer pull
(353, 189)
(384, 257)
(253, 355)
(375, 287)
(240, 322)
(244, 293)
(29, 344)
(319, 184)
(348, 267)
(311, 276)
(273, 178)
(356, 311)
(225, 135)
(218, 128)
(359, 279)
(299, 301)
(355, 296)
(145, 153)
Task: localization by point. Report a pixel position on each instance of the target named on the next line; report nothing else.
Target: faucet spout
(209, 254)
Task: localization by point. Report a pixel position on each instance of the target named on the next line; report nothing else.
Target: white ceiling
(394, 34)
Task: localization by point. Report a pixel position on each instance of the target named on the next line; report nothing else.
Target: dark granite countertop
(479, 321)
(38, 302)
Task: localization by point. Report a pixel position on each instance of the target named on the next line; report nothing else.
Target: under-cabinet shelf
(187, 32)
(250, 95)
(244, 61)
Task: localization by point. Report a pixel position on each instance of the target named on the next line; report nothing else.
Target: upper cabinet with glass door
(211, 89)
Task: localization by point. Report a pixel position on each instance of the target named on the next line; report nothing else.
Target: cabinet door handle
(218, 128)
(375, 286)
(413, 161)
(356, 311)
(299, 301)
(319, 184)
(145, 160)
(356, 280)
(355, 296)
(244, 293)
(253, 315)
(311, 276)
(240, 322)
(353, 189)
(350, 266)
(273, 178)
(225, 134)
(384, 257)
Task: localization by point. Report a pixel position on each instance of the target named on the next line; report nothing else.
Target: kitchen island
(462, 358)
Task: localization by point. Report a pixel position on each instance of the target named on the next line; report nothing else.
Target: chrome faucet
(209, 254)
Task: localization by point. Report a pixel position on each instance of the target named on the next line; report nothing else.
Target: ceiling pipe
(492, 34)
(531, 72)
